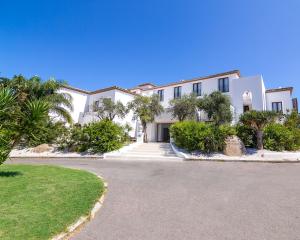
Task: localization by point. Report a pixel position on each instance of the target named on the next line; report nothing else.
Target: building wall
(237, 87)
(79, 101)
(255, 86)
(208, 86)
(284, 97)
(260, 100)
(125, 98)
(95, 97)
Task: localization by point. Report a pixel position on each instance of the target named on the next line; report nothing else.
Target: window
(197, 88)
(96, 103)
(160, 95)
(277, 106)
(177, 92)
(224, 84)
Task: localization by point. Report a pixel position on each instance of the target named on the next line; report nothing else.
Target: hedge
(200, 136)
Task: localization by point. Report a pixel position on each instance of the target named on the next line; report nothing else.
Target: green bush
(104, 136)
(278, 137)
(200, 136)
(247, 135)
(48, 132)
(98, 137)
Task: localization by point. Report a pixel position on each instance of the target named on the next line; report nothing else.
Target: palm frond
(60, 99)
(62, 113)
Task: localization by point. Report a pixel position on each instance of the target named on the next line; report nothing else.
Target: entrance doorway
(163, 132)
(166, 135)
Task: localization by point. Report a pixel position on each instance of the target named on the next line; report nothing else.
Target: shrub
(278, 137)
(247, 135)
(48, 132)
(104, 136)
(73, 139)
(200, 136)
(98, 137)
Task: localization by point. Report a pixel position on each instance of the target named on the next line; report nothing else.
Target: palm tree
(60, 104)
(146, 108)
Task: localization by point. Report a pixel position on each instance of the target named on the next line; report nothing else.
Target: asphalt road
(194, 200)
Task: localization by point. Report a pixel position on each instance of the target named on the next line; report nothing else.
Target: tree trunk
(145, 132)
(259, 136)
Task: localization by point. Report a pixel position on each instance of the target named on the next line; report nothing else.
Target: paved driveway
(194, 200)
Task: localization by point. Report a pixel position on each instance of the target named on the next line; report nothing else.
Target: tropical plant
(107, 109)
(217, 107)
(17, 122)
(24, 90)
(25, 106)
(258, 120)
(184, 108)
(7, 122)
(145, 109)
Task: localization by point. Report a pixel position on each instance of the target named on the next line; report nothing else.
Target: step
(129, 157)
(150, 151)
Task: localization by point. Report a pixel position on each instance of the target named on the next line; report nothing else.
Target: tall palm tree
(60, 104)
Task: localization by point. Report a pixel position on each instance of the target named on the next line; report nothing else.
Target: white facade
(246, 93)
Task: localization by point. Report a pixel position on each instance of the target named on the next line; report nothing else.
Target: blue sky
(95, 44)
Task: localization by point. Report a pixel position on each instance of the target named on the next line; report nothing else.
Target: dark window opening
(197, 89)
(160, 95)
(224, 84)
(177, 92)
(277, 107)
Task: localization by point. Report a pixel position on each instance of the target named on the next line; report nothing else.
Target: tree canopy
(258, 121)
(184, 108)
(145, 109)
(107, 109)
(217, 107)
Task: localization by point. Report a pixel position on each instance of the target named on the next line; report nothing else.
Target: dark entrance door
(246, 108)
(166, 135)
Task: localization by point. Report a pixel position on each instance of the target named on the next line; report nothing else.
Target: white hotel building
(245, 93)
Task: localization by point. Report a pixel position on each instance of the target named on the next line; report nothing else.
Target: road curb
(84, 219)
(245, 161)
(186, 157)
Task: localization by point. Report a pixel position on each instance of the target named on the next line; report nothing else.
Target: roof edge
(282, 89)
(76, 89)
(201, 78)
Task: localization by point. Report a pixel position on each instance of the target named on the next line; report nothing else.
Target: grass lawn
(38, 202)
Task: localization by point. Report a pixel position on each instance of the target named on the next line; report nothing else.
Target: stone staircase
(147, 151)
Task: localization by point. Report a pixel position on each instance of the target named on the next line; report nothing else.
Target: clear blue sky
(95, 44)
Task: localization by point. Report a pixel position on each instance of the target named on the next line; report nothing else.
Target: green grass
(38, 202)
